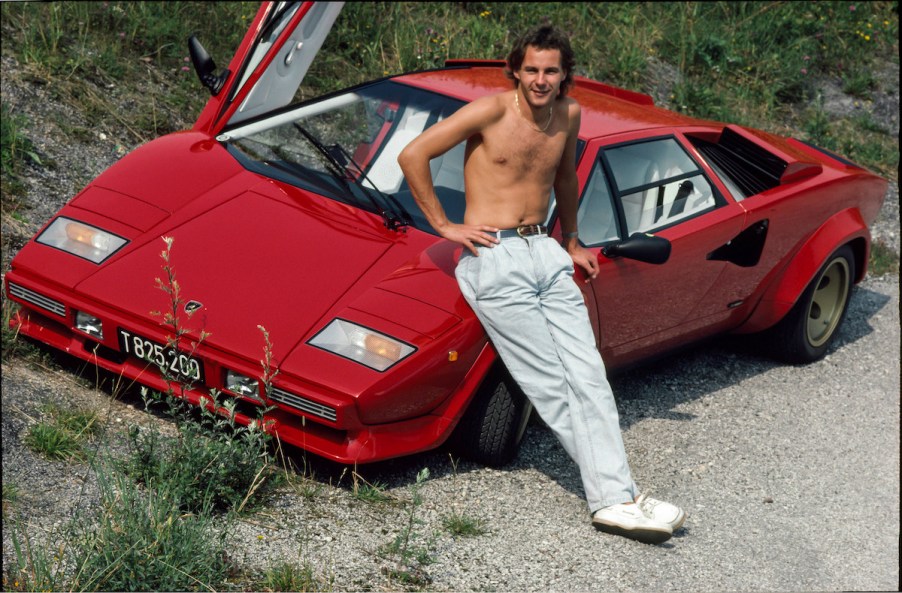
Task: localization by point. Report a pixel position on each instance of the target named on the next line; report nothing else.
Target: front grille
(38, 300)
(303, 404)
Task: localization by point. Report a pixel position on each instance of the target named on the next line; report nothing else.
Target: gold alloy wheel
(828, 302)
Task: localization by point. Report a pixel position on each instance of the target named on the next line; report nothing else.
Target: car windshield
(345, 147)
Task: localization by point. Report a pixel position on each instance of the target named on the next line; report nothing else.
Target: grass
(10, 495)
(141, 540)
(286, 576)
(741, 61)
(463, 525)
(62, 436)
(883, 260)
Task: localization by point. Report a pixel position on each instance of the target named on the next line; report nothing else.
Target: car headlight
(81, 239)
(89, 324)
(361, 344)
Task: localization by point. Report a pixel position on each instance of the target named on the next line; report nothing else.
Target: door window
(658, 184)
(596, 217)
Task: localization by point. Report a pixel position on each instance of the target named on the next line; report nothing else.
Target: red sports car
(295, 217)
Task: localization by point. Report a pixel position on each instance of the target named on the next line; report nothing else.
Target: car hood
(253, 260)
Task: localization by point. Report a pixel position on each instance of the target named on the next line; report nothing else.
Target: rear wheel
(493, 425)
(808, 329)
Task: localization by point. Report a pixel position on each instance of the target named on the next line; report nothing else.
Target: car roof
(606, 110)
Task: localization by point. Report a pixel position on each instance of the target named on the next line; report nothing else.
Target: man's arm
(566, 191)
(436, 141)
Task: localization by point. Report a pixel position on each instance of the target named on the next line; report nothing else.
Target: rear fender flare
(845, 227)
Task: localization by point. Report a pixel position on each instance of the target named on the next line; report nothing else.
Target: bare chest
(520, 148)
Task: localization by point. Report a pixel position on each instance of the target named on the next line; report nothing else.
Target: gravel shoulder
(790, 474)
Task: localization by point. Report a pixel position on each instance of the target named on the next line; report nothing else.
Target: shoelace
(647, 505)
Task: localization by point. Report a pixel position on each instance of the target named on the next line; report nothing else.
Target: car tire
(493, 425)
(807, 331)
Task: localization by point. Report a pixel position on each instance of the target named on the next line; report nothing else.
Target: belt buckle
(525, 230)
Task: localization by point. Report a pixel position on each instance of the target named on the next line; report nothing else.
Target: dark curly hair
(543, 37)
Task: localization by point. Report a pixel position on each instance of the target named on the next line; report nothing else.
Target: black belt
(526, 230)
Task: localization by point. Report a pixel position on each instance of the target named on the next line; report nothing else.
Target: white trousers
(523, 292)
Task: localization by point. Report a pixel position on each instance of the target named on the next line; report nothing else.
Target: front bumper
(327, 426)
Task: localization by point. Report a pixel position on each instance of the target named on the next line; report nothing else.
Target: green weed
(368, 492)
(884, 260)
(223, 467)
(410, 550)
(15, 146)
(34, 567)
(13, 345)
(62, 436)
(141, 540)
(463, 525)
(859, 83)
(10, 495)
(286, 576)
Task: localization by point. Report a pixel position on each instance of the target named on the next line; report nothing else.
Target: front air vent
(38, 300)
(303, 404)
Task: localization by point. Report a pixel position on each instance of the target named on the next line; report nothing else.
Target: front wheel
(493, 425)
(806, 332)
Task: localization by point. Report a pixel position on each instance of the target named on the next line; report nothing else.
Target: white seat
(385, 173)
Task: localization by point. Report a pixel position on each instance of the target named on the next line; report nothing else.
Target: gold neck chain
(534, 126)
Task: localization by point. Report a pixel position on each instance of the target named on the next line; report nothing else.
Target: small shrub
(221, 467)
(142, 541)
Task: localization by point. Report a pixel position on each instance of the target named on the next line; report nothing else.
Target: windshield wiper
(337, 169)
(394, 221)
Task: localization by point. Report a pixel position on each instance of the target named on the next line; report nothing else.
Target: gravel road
(790, 474)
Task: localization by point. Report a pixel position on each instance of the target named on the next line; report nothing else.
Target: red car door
(653, 185)
(270, 63)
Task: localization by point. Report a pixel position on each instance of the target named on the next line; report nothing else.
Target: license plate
(172, 363)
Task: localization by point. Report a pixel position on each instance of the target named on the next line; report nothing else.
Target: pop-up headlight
(81, 239)
(361, 344)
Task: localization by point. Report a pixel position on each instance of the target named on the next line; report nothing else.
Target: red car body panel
(255, 251)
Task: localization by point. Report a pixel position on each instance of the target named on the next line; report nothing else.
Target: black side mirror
(205, 67)
(642, 247)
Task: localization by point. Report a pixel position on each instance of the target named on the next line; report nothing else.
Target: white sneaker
(630, 521)
(662, 511)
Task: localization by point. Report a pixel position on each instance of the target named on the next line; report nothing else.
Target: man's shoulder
(497, 101)
(569, 102)
(572, 107)
(489, 108)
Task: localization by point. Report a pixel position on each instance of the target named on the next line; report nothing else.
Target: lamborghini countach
(293, 216)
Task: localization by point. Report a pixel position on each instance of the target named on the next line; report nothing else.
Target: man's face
(540, 75)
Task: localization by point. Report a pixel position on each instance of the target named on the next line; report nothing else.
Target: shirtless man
(519, 281)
